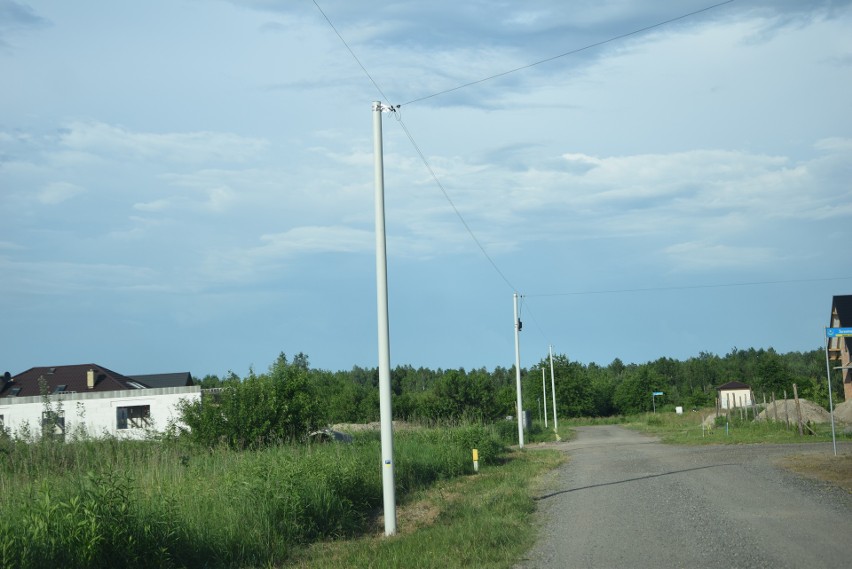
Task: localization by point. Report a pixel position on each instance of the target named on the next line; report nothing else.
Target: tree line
(296, 397)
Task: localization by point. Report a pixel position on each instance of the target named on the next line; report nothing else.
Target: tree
(634, 394)
(278, 406)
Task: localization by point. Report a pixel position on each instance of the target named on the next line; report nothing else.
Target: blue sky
(188, 185)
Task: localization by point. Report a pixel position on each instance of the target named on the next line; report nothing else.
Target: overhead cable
(419, 152)
(686, 287)
(567, 53)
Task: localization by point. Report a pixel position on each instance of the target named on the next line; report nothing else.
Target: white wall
(96, 413)
(738, 397)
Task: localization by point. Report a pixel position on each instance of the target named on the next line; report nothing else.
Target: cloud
(58, 192)
(252, 263)
(705, 255)
(65, 277)
(175, 147)
(15, 16)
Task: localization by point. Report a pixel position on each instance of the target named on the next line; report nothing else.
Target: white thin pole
(385, 411)
(520, 404)
(553, 391)
(544, 396)
(830, 400)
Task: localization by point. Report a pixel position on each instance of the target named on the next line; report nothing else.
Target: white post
(553, 392)
(385, 412)
(544, 396)
(830, 400)
(520, 403)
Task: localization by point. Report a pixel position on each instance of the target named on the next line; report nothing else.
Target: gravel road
(625, 500)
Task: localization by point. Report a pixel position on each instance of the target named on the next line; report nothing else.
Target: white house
(91, 400)
(734, 394)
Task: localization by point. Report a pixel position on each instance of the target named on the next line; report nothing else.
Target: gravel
(625, 500)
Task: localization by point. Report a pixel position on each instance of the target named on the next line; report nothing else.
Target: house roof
(843, 306)
(180, 379)
(733, 385)
(70, 378)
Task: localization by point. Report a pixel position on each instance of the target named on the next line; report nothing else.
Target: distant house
(734, 394)
(92, 399)
(838, 348)
(181, 379)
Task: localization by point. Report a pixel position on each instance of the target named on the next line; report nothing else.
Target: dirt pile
(784, 409)
(843, 412)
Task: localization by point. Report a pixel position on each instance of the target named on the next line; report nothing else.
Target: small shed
(734, 394)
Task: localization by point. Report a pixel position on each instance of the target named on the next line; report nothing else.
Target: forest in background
(582, 390)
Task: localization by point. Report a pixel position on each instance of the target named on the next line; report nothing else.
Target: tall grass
(105, 503)
(484, 521)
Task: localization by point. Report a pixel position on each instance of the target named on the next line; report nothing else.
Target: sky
(188, 185)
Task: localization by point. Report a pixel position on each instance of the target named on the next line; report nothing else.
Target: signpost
(654, 396)
(833, 333)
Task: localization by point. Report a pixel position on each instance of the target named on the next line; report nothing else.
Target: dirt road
(625, 500)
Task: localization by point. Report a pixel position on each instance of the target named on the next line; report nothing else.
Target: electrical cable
(352, 53)
(567, 53)
(453, 205)
(419, 152)
(685, 287)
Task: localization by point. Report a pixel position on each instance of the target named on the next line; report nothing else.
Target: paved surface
(625, 500)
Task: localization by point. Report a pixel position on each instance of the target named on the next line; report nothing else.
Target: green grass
(165, 504)
(687, 429)
(482, 521)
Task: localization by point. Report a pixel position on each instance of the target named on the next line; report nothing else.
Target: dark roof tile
(74, 377)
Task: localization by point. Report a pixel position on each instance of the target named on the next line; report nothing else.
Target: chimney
(90, 379)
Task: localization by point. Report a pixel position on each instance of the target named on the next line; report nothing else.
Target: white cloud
(154, 206)
(58, 192)
(65, 277)
(277, 249)
(193, 147)
(704, 255)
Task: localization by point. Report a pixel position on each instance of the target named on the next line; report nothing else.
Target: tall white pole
(385, 412)
(520, 403)
(553, 392)
(830, 400)
(544, 396)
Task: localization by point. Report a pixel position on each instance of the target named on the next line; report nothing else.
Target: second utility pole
(518, 375)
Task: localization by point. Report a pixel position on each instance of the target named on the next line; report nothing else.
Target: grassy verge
(152, 504)
(483, 521)
(687, 429)
(836, 470)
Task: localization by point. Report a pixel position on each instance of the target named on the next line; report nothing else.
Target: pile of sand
(843, 412)
(786, 409)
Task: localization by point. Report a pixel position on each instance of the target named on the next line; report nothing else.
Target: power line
(419, 152)
(453, 205)
(685, 287)
(352, 53)
(567, 53)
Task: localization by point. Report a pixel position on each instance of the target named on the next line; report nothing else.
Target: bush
(278, 407)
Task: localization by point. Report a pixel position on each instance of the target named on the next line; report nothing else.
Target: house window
(59, 388)
(53, 424)
(14, 391)
(135, 417)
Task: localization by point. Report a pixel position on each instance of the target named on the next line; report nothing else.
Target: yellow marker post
(475, 460)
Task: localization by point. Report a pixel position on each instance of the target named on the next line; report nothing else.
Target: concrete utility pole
(830, 399)
(544, 396)
(385, 412)
(520, 404)
(553, 391)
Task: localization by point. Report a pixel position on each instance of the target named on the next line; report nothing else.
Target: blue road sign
(838, 332)
(657, 393)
